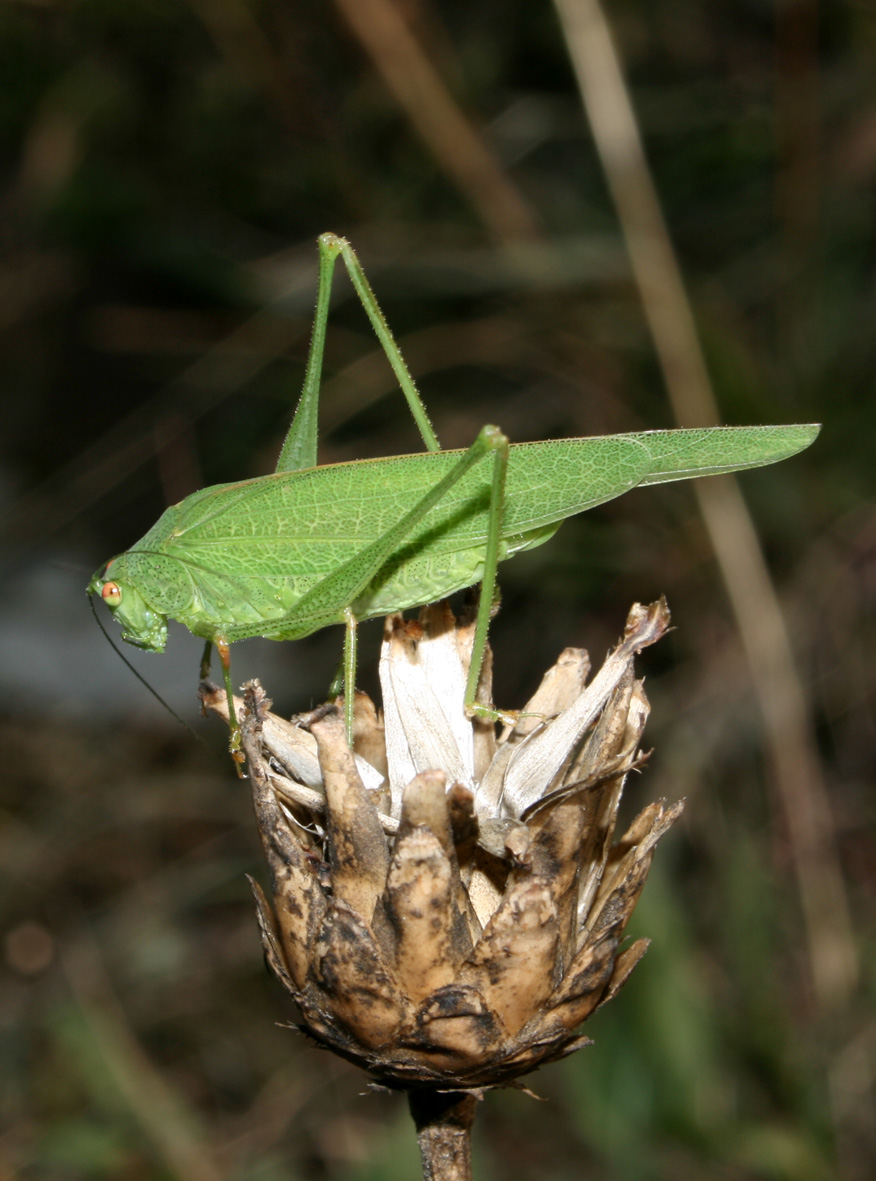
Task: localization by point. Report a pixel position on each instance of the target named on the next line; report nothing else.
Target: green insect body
(236, 560)
(286, 554)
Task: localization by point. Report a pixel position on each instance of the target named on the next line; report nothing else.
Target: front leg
(224, 649)
(351, 636)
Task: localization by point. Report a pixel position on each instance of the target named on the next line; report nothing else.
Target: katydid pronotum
(284, 555)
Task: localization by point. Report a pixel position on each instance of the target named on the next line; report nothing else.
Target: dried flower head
(449, 906)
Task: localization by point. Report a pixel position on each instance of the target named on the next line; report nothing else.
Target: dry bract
(449, 906)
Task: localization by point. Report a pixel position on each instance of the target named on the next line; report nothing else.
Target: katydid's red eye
(111, 593)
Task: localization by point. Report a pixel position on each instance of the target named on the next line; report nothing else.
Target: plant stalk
(443, 1121)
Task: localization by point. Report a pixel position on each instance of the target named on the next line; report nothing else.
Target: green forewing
(251, 550)
(710, 451)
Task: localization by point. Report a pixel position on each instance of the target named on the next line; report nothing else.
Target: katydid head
(141, 625)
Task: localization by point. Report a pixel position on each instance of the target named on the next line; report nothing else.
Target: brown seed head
(447, 911)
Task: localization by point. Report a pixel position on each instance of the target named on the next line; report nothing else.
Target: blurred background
(166, 168)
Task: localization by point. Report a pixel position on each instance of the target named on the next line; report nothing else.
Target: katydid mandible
(284, 555)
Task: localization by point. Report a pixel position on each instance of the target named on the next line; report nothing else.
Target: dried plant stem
(444, 1121)
(780, 692)
(458, 147)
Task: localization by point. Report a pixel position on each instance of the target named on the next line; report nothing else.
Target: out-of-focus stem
(780, 692)
(458, 147)
(444, 1121)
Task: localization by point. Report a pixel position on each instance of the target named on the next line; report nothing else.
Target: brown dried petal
(289, 743)
(425, 803)
(426, 726)
(271, 938)
(560, 686)
(604, 746)
(352, 974)
(515, 962)
(484, 892)
(623, 967)
(538, 1052)
(369, 737)
(488, 794)
(356, 845)
(463, 820)
(540, 758)
(458, 1021)
(553, 857)
(621, 888)
(421, 908)
(299, 899)
(639, 839)
(583, 984)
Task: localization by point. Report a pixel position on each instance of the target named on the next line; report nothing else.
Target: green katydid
(284, 555)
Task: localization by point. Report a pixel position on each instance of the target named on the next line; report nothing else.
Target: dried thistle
(449, 906)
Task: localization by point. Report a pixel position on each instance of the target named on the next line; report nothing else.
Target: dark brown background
(166, 167)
